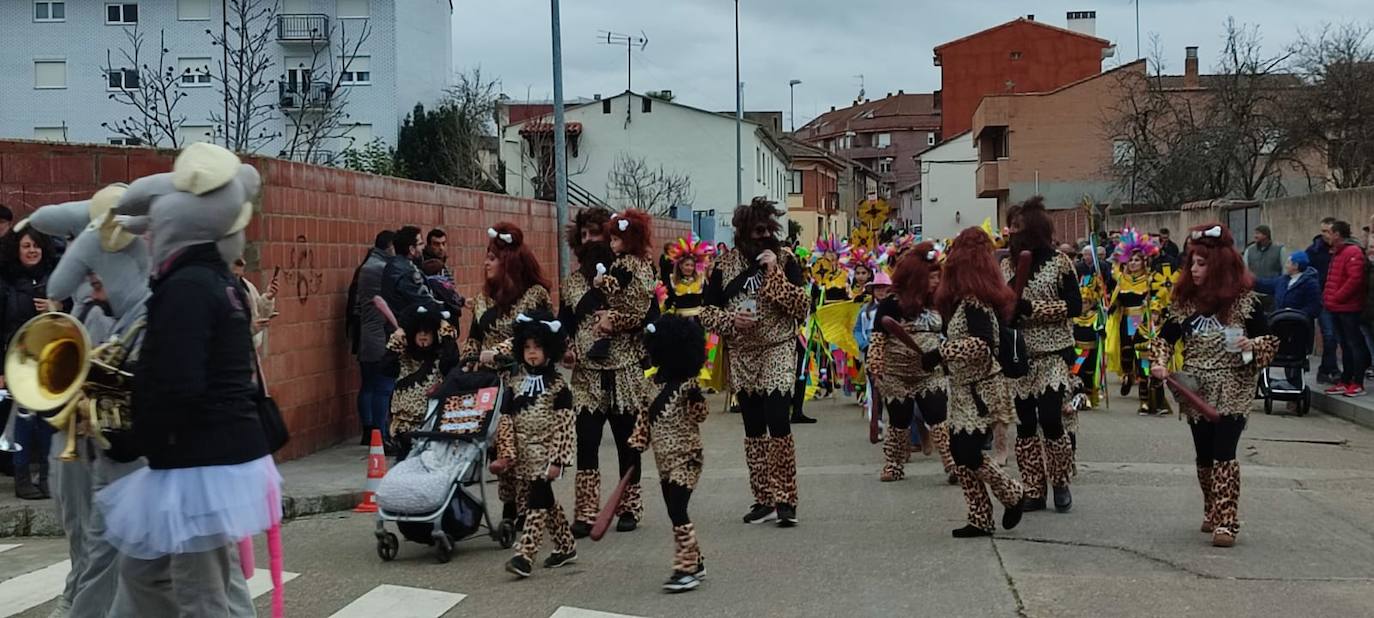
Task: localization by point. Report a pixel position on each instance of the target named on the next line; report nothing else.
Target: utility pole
(560, 141)
(739, 120)
(1137, 29)
(792, 97)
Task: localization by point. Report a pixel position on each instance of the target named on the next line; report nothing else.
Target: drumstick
(894, 329)
(1023, 265)
(385, 310)
(603, 519)
(1193, 400)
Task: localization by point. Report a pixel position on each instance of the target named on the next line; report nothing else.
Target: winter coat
(403, 286)
(1319, 257)
(18, 290)
(1344, 290)
(1305, 294)
(195, 395)
(372, 327)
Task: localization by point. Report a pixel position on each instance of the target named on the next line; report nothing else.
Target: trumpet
(51, 365)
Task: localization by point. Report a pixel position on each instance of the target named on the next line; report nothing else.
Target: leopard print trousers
(1209, 499)
(896, 443)
(686, 554)
(587, 496)
(940, 434)
(512, 490)
(1030, 461)
(756, 458)
(631, 502)
(782, 465)
(560, 532)
(1226, 496)
(976, 497)
(532, 535)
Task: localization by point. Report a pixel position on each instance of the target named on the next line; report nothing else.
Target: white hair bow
(931, 255)
(651, 329)
(506, 238)
(600, 269)
(623, 224)
(421, 309)
(1211, 232)
(553, 325)
(446, 314)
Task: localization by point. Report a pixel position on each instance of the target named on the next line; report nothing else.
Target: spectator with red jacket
(1343, 297)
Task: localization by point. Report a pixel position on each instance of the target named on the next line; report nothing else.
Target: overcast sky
(825, 43)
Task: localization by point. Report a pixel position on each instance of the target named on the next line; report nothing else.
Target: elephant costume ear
(113, 237)
(138, 200)
(203, 167)
(252, 183)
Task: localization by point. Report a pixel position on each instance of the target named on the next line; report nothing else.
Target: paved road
(1129, 548)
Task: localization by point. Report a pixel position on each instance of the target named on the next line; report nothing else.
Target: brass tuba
(51, 365)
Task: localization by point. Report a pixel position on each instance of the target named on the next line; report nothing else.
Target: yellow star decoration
(862, 237)
(874, 212)
(1162, 285)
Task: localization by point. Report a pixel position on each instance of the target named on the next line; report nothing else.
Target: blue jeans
(374, 397)
(35, 435)
(1329, 342)
(1354, 354)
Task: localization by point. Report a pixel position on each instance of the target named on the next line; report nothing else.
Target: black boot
(41, 474)
(803, 419)
(24, 489)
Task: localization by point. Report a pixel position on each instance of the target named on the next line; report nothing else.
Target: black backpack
(1011, 352)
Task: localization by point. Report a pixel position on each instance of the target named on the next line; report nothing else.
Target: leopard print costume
(615, 385)
(1226, 499)
(687, 554)
(495, 335)
(756, 458)
(537, 431)
(410, 400)
(675, 435)
(762, 361)
(1047, 330)
(978, 393)
(899, 367)
(532, 534)
(1224, 378)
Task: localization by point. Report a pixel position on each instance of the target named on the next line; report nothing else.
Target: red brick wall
(316, 224)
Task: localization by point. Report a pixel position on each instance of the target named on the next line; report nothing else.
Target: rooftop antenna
(630, 42)
(861, 87)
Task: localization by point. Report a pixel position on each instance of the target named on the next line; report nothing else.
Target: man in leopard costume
(1217, 317)
(755, 299)
(609, 295)
(672, 425)
(1049, 299)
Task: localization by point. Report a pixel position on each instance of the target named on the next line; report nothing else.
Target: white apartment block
(53, 58)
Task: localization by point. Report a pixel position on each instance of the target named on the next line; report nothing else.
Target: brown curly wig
(638, 232)
(1036, 230)
(761, 213)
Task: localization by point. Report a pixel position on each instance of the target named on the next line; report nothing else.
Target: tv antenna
(861, 87)
(630, 42)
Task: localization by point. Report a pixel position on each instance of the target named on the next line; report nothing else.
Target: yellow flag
(837, 325)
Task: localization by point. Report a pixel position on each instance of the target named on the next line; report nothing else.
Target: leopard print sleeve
(966, 357)
(624, 322)
(563, 451)
(1048, 311)
(697, 410)
(1265, 347)
(397, 341)
(505, 438)
(788, 297)
(877, 351)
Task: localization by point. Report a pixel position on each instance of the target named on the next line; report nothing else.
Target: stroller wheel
(506, 534)
(387, 546)
(1268, 405)
(443, 549)
(1305, 403)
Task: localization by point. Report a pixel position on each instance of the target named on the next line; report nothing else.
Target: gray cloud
(824, 43)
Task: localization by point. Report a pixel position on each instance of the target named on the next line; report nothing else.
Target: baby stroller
(437, 495)
(1294, 331)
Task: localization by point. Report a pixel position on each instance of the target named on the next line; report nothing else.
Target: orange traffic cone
(376, 469)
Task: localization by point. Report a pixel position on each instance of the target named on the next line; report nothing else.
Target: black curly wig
(677, 346)
(553, 342)
(422, 317)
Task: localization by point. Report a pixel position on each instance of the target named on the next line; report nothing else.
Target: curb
(37, 519)
(1343, 407)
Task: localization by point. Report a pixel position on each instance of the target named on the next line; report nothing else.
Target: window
(50, 134)
(124, 141)
(647, 105)
(356, 137)
(352, 8)
(49, 74)
(50, 11)
(193, 10)
(359, 72)
(122, 79)
(121, 14)
(930, 139)
(297, 74)
(195, 72)
(605, 106)
(882, 140)
(188, 134)
(885, 166)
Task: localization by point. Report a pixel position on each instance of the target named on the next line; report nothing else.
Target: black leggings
(1217, 442)
(902, 412)
(589, 426)
(967, 448)
(1044, 411)
(540, 495)
(675, 497)
(799, 389)
(765, 414)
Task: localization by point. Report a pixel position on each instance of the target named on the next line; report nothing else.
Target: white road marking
(4, 547)
(261, 583)
(30, 590)
(577, 612)
(400, 602)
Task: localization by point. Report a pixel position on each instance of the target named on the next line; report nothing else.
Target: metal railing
(302, 28)
(303, 95)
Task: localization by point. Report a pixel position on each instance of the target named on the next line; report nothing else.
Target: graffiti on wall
(302, 273)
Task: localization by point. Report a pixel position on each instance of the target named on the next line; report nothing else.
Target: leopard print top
(628, 307)
(674, 432)
(536, 429)
(897, 366)
(495, 334)
(409, 402)
(1224, 379)
(967, 358)
(1047, 329)
(779, 299)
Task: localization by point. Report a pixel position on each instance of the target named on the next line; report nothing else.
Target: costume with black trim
(907, 385)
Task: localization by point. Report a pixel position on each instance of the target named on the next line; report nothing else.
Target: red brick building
(884, 135)
(1019, 56)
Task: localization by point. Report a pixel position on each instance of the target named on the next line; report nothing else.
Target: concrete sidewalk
(1358, 410)
(328, 481)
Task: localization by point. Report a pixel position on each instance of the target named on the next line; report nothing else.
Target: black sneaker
(1012, 515)
(1063, 499)
(1033, 504)
(970, 531)
(626, 523)
(760, 513)
(557, 559)
(802, 419)
(681, 582)
(787, 515)
(518, 566)
(581, 529)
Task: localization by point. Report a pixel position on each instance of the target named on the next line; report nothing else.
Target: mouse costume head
(677, 346)
(545, 331)
(206, 198)
(422, 324)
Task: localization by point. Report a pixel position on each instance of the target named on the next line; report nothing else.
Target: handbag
(273, 425)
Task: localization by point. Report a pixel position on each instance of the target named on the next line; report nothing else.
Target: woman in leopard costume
(512, 283)
(676, 347)
(905, 384)
(535, 439)
(1049, 297)
(973, 299)
(1214, 309)
(425, 343)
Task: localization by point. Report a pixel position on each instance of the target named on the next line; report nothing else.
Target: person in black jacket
(29, 262)
(403, 286)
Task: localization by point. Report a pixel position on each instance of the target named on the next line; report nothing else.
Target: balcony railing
(302, 28)
(302, 95)
(990, 180)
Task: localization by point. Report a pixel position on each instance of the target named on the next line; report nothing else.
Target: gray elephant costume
(210, 480)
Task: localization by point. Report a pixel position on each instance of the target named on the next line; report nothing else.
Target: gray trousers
(202, 585)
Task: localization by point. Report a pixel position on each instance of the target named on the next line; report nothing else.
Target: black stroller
(1294, 331)
(437, 495)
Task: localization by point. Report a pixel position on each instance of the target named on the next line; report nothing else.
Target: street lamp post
(792, 97)
(560, 145)
(739, 119)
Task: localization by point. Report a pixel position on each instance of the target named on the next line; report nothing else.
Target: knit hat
(1299, 259)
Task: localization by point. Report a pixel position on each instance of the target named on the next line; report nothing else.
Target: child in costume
(671, 425)
(1131, 323)
(426, 344)
(535, 440)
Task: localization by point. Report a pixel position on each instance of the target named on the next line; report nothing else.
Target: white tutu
(153, 513)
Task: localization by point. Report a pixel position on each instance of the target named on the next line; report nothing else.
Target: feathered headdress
(837, 246)
(698, 250)
(1134, 241)
(859, 256)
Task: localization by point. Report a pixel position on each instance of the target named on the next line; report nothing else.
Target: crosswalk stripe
(577, 612)
(6, 547)
(400, 602)
(30, 590)
(261, 583)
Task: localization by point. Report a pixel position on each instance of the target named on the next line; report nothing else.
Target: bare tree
(1245, 102)
(1334, 113)
(633, 183)
(317, 114)
(247, 120)
(151, 90)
